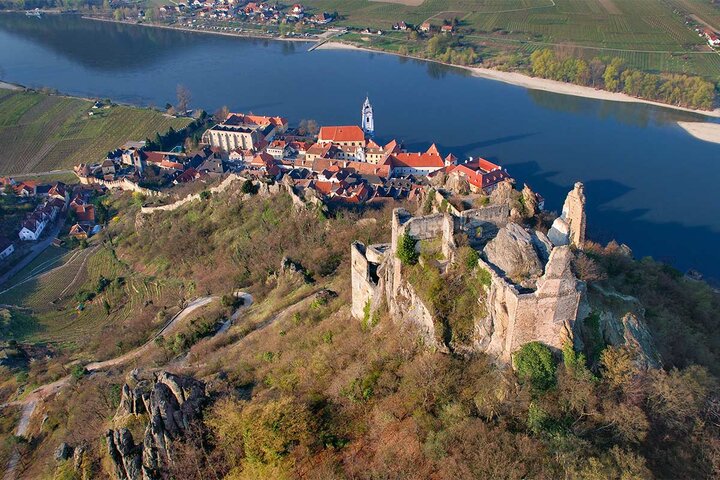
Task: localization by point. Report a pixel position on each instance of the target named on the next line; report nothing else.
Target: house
(279, 149)
(79, 231)
(25, 189)
(426, 27)
(712, 38)
(402, 26)
(266, 162)
(6, 248)
(59, 192)
(323, 18)
(404, 163)
(213, 167)
(447, 29)
(31, 229)
(188, 175)
(482, 175)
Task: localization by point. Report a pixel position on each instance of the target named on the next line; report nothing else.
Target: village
(330, 165)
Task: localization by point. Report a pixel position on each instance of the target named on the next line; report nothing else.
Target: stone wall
(481, 224)
(437, 226)
(122, 184)
(546, 315)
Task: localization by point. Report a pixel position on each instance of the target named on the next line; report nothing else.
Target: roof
(250, 119)
(416, 160)
(262, 160)
(351, 133)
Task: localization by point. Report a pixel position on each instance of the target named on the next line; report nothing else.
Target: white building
(6, 248)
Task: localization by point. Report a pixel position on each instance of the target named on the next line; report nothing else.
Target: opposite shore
(706, 131)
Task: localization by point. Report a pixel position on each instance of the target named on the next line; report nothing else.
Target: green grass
(50, 258)
(40, 132)
(651, 35)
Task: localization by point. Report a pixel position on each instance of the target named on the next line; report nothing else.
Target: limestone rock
(172, 403)
(502, 193)
(125, 455)
(63, 452)
(513, 252)
(530, 200)
(543, 245)
(621, 322)
(569, 228)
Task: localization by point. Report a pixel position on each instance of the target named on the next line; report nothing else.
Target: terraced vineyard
(53, 305)
(41, 132)
(650, 34)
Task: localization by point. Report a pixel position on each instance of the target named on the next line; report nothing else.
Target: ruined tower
(569, 227)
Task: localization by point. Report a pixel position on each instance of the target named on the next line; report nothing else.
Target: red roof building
(346, 136)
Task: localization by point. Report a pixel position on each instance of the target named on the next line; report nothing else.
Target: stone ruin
(533, 294)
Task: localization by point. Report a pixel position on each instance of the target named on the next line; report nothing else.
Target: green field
(41, 132)
(649, 34)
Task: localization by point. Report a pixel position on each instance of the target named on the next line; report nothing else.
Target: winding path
(31, 401)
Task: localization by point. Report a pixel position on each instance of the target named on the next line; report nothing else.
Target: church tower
(368, 121)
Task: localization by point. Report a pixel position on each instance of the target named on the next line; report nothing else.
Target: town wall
(122, 184)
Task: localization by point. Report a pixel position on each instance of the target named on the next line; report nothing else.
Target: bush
(536, 366)
(406, 250)
(77, 371)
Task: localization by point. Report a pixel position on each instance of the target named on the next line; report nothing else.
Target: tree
(183, 99)
(308, 127)
(536, 366)
(406, 250)
(612, 75)
(222, 114)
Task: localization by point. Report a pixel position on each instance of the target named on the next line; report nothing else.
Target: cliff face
(533, 294)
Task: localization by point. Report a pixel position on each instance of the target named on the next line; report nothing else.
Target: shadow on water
(669, 242)
(463, 151)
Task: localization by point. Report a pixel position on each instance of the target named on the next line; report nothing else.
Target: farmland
(650, 35)
(81, 303)
(40, 132)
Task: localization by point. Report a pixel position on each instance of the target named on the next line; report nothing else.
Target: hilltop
(297, 387)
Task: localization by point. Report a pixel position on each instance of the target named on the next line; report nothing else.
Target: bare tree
(183, 99)
(308, 127)
(222, 113)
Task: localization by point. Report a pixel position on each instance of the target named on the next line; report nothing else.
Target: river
(649, 183)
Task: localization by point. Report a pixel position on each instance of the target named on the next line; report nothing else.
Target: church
(368, 120)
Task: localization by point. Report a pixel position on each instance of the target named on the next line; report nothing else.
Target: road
(35, 250)
(49, 173)
(31, 401)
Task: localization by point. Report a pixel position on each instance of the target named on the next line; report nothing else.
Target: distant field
(41, 132)
(649, 34)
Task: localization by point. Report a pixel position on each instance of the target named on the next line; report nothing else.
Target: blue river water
(649, 184)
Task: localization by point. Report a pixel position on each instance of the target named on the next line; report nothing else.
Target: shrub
(406, 250)
(77, 371)
(536, 366)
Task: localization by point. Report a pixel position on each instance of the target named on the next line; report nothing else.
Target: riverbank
(533, 83)
(10, 86)
(243, 34)
(709, 132)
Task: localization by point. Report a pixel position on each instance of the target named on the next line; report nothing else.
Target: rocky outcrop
(569, 227)
(125, 455)
(172, 403)
(513, 252)
(530, 202)
(619, 320)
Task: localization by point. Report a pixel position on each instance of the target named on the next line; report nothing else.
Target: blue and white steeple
(368, 121)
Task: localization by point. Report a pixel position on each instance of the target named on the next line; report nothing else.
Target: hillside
(40, 132)
(649, 36)
(298, 388)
